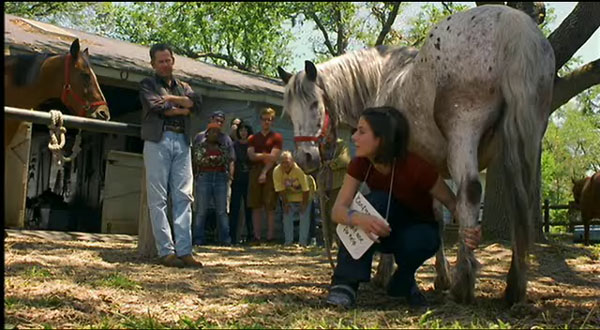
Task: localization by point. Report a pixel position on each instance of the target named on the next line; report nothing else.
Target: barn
(105, 177)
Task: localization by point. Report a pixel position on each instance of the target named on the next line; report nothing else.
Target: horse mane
(26, 67)
(351, 80)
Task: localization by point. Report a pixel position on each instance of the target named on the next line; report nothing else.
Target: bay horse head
(81, 92)
(306, 103)
(577, 188)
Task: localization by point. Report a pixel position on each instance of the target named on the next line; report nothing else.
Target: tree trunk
(495, 223)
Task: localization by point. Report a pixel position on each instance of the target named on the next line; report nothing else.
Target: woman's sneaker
(341, 295)
(416, 298)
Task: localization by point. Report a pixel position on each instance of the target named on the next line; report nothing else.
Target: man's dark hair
(247, 127)
(159, 47)
(391, 127)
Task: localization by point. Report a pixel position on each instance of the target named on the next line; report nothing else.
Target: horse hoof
(513, 296)
(441, 283)
(462, 296)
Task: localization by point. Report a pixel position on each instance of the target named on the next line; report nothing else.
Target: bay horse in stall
(480, 87)
(30, 80)
(586, 193)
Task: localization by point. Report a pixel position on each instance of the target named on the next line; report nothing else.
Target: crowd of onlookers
(251, 174)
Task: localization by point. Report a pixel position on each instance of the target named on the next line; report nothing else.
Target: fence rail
(95, 125)
(571, 224)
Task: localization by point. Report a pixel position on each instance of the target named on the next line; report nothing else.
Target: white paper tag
(354, 238)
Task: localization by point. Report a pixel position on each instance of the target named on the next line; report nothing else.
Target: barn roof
(32, 36)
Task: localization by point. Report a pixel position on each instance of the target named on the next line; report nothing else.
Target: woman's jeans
(239, 192)
(168, 166)
(411, 241)
(211, 185)
(295, 212)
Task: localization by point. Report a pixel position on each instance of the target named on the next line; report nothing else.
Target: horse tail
(525, 85)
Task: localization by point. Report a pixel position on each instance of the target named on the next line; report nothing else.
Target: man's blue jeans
(294, 211)
(169, 170)
(211, 185)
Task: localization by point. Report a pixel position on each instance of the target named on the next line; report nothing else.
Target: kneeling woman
(401, 186)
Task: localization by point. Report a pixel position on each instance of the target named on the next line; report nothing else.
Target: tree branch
(323, 30)
(341, 35)
(227, 58)
(574, 83)
(489, 3)
(447, 7)
(574, 31)
(387, 26)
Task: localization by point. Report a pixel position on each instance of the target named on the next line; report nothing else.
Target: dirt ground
(77, 280)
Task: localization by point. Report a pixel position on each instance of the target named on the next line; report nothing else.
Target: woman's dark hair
(247, 127)
(391, 127)
(234, 118)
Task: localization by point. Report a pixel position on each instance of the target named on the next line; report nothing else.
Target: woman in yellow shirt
(292, 185)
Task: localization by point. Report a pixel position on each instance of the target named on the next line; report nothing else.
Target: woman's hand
(472, 237)
(373, 226)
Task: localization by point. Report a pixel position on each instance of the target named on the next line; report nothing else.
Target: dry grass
(98, 281)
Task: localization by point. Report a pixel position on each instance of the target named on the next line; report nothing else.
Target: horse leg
(442, 268)
(586, 230)
(385, 268)
(463, 167)
(327, 224)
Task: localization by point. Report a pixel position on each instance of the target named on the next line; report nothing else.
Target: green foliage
(571, 147)
(38, 272)
(51, 301)
(118, 281)
(246, 35)
(548, 20)
(429, 15)
(249, 36)
(86, 16)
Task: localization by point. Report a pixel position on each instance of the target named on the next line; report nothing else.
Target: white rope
(55, 145)
(57, 131)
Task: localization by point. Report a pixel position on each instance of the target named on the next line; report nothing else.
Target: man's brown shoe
(190, 261)
(171, 260)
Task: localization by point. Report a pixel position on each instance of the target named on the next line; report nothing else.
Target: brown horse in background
(586, 193)
(30, 80)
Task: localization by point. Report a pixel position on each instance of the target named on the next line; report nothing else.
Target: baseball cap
(218, 113)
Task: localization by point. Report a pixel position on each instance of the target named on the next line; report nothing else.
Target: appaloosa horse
(30, 80)
(480, 87)
(586, 193)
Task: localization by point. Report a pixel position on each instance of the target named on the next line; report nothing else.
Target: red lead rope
(323, 134)
(67, 90)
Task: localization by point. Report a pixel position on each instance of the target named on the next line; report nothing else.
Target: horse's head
(305, 101)
(81, 92)
(577, 188)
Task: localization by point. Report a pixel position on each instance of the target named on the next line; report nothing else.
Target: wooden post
(16, 170)
(572, 215)
(146, 246)
(546, 216)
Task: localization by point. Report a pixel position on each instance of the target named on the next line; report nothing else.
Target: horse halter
(86, 106)
(324, 130)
